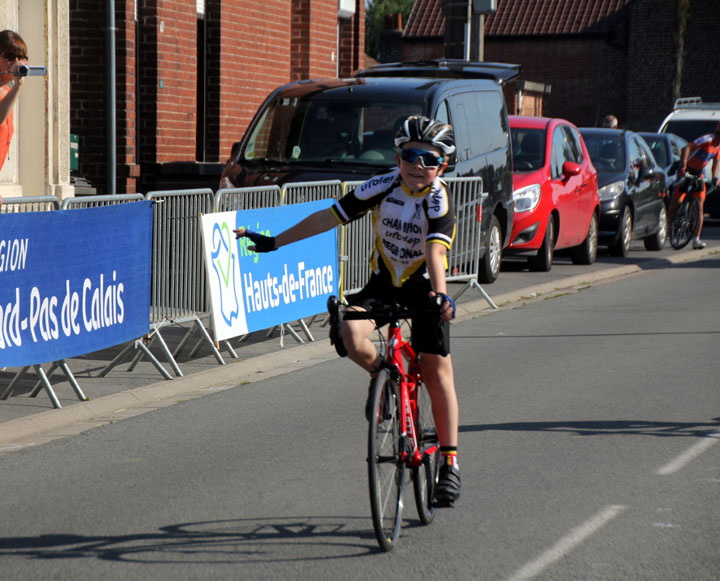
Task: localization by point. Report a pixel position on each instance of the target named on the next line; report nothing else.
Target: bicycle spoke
(386, 473)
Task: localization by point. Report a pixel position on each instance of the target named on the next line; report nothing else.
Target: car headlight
(611, 191)
(527, 198)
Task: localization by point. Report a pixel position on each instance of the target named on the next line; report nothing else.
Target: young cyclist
(693, 159)
(414, 225)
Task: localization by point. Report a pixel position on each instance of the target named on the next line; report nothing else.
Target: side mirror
(570, 168)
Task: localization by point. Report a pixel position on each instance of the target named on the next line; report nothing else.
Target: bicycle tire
(685, 222)
(425, 476)
(386, 470)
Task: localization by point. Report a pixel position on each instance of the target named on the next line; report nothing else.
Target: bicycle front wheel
(685, 223)
(386, 469)
(425, 476)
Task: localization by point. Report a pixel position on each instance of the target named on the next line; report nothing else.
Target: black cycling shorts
(430, 334)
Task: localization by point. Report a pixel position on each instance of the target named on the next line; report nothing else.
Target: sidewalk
(26, 421)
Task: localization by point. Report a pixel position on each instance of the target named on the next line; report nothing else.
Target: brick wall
(87, 81)
(419, 50)
(250, 49)
(584, 73)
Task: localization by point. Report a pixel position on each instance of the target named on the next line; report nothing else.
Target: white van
(691, 118)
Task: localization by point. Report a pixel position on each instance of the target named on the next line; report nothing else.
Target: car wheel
(542, 261)
(489, 266)
(586, 252)
(657, 240)
(621, 247)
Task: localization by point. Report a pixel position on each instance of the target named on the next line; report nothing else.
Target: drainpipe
(110, 93)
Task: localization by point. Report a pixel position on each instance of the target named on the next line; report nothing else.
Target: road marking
(690, 454)
(567, 543)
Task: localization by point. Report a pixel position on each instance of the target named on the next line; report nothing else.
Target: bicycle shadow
(609, 428)
(229, 542)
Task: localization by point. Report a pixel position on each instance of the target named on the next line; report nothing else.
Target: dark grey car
(632, 189)
(344, 129)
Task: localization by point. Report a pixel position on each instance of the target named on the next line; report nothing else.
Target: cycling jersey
(403, 222)
(703, 151)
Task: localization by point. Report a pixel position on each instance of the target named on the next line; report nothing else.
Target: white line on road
(567, 543)
(691, 453)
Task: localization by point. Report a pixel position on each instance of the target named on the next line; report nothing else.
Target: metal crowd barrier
(95, 202)
(29, 204)
(233, 199)
(355, 250)
(98, 201)
(468, 197)
(178, 292)
(311, 191)
(17, 205)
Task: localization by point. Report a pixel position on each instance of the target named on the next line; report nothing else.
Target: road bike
(401, 434)
(684, 224)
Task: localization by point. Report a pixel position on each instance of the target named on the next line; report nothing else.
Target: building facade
(189, 76)
(630, 58)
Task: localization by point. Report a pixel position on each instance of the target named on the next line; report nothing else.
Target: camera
(28, 71)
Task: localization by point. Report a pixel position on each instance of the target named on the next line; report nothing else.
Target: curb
(53, 424)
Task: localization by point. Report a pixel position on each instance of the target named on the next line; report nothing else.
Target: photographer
(13, 53)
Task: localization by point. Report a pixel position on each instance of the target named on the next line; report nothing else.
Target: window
(559, 153)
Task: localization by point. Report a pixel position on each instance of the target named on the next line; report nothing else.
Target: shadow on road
(609, 428)
(254, 540)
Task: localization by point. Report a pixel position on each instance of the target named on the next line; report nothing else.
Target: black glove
(262, 243)
(445, 299)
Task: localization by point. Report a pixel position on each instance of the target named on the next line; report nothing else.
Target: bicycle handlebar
(391, 311)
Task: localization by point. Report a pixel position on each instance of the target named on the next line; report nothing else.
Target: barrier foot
(475, 284)
(171, 359)
(206, 335)
(39, 385)
(182, 344)
(230, 349)
(48, 388)
(71, 378)
(144, 348)
(306, 330)
(18, 376)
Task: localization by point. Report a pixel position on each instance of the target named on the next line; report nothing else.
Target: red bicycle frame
(398, 351)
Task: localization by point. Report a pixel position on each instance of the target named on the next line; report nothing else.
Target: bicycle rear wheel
(386, 470)
(685, 223)
(425, 476)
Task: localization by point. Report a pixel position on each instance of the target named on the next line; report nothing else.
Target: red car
(555, 189)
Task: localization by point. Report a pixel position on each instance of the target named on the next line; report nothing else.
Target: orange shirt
(6, 133)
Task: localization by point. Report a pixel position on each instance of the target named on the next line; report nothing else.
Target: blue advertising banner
(251, 291)
(73, 281)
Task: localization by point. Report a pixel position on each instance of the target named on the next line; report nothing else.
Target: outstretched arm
(320, 221)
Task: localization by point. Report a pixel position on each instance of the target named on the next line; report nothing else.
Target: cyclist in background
(693, 159)
(414, 226)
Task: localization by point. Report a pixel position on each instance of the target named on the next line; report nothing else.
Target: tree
(375, 13)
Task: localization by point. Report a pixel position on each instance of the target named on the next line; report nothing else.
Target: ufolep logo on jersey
(252, 291)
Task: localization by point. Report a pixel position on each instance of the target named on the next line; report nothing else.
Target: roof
(525, 18)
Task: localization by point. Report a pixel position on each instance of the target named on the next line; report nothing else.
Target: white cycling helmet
(425, 130)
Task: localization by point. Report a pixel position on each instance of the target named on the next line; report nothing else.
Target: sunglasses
(428, 159)
(11, 56)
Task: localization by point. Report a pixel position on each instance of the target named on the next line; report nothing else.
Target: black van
(344, 129)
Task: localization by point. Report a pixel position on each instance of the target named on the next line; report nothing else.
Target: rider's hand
(447, 307)
(681, 171)
(716, 181)
(261, 243)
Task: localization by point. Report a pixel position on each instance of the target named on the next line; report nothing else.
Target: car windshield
(528, 148)
(607, 152)
(690, 130)
(330, 127)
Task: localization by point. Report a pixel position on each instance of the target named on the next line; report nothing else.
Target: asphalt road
(589, 430)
